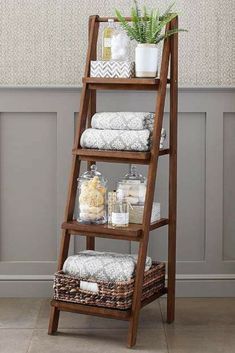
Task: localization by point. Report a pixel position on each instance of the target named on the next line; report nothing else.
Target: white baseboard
(199, 285)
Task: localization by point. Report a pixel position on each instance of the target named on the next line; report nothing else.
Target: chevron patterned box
(113, 69)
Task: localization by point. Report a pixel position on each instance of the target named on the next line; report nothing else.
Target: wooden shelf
(86, 154)
(133, 232)
(91, 310)
(100, 83)
(101, 311)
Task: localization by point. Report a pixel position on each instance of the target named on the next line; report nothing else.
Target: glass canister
(92, 192)
(132, 188)
(120, 45)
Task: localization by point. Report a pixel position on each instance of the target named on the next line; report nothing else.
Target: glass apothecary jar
(92, 190)
(132, 188)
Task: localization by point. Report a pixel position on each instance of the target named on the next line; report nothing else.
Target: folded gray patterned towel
(123, 121)
(103, 266)
(129, 140)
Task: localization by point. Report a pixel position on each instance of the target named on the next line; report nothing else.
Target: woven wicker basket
(116, 295)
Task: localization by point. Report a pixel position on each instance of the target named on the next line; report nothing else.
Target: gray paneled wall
(28, 174)
(36, 134)
(229, 188)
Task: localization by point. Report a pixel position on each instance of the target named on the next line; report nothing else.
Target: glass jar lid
(134, 175)
(90, 174)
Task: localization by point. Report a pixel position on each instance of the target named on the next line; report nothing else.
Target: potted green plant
(146, 29)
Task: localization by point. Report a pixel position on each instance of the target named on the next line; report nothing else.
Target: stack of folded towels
(102, 266)
(128, 131)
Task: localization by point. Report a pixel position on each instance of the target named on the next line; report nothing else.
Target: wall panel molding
(201, 115)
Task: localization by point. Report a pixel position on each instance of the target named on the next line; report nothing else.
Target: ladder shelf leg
(172, 176)
(54, 320)
(55, 312)
(152, 172)
(90, 241)
(136, 303)
(81, 125)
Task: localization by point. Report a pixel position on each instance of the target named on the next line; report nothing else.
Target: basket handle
(89, 287)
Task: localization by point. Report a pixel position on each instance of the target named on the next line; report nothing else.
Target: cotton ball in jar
(120, 46)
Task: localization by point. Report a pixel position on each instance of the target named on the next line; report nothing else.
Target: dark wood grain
(136, 84)
(161, 223)
(152, 172)
(54, 320)
(172, 175)
(90, 241)
(133, 232)
(87, 154)
(91, 310)
(121, 81)
(72, 187)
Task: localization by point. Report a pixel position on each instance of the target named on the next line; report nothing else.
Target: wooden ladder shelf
(135, 232)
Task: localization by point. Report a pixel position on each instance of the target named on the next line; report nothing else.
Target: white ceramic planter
(146, 60)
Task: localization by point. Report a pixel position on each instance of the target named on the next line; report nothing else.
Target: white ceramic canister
(146, 60)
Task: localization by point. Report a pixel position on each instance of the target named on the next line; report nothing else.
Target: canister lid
(134, 175)
(93, 172)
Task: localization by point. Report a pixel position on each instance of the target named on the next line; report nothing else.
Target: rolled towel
(123, 120)
(103, 266)
(127, 140)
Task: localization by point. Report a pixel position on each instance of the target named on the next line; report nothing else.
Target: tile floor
(201, 326)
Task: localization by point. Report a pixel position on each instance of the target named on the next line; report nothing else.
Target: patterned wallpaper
(43, 42)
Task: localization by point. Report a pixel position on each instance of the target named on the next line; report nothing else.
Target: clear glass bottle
(132, 188)
(107, 39)
(92, 192)
(120, 214)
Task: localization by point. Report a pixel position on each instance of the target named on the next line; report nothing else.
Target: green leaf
(147, 27)
(169, 33)
(125, 25)
(167, 11)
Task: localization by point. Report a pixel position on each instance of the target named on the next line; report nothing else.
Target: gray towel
(127, 140)
(103, 266)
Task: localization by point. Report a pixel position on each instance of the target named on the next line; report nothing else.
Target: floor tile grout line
(30, 342)
(39, 311)
(95, 328)
(35, 325)
(164, 328)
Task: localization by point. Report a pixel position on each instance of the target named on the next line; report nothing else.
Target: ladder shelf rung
(87, 154)
(100, 83)
(161, 223)
(91, 310)
(133, 232)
